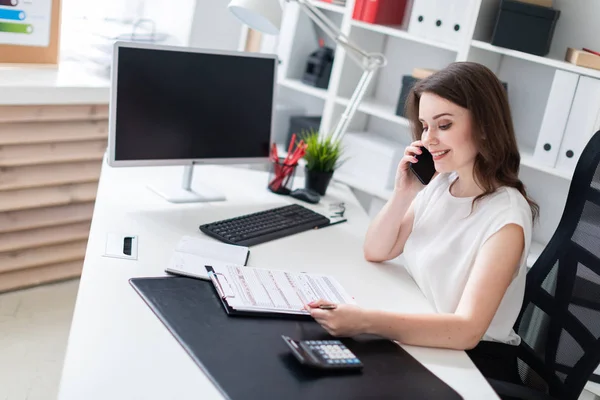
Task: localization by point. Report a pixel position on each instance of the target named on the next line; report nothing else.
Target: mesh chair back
(560, 319)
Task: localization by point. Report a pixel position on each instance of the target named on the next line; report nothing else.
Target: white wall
(213, 26)
(173, 18)
(574, 27)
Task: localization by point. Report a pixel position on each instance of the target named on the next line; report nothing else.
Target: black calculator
(326, 354)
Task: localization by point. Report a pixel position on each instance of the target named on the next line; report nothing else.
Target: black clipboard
(247, 359)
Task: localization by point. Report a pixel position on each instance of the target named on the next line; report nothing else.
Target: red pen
(290, 148)
(591, 51)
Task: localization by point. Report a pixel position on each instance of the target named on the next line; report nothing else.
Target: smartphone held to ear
(424, 169)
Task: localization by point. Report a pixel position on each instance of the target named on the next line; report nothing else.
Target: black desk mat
(246, 358)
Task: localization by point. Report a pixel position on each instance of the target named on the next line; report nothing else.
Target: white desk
(66, 83)
(117, 347)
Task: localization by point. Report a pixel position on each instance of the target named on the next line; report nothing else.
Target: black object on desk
(301, 124)
(330, 355)
(525, 27)
(263, 226)
(305, 194)
(247, 359)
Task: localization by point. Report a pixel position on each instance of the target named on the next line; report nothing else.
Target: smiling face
(447, 133)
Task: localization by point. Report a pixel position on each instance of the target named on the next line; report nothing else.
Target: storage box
(300, 123)
(371, 158)
(583, 58)
(408, 82)
(525, 27)
(383, 12)
(543, 3)
(281, 121)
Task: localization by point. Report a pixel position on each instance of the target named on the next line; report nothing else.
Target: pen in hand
(327, 306)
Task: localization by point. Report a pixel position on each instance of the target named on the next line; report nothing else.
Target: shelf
(399, 33)
(328, 6)
(363, 186)
(536, 59)
(528, 160)
(377, 109)
(296, 84)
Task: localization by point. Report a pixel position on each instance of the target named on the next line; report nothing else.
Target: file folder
(268, 292)
(582, 123)
(421, 16)
(555, 118)
(453, 15)
(444, 21)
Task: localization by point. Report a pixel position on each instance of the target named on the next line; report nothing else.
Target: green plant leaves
(322, 152)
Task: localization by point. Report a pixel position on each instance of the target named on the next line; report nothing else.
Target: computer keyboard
(263, 226)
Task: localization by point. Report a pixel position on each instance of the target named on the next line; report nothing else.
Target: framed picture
(29, 31)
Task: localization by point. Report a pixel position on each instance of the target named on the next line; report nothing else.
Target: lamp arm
(369, 62)
(357, 96)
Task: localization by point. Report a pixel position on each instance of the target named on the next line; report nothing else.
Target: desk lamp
(266, 15)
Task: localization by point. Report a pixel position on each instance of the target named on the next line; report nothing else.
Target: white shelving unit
(376, 108)
(298, 85)
(529, 161)
(402, 34)
(529, 78)
(551, 62)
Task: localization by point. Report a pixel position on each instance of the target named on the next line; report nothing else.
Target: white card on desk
(192, 255)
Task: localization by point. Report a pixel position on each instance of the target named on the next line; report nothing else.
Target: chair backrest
(559, 322)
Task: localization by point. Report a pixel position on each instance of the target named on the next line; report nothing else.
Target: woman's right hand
(406, 181)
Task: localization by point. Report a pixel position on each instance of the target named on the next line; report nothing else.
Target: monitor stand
(183, 193)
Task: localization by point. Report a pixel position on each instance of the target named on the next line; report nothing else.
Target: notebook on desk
(192, 254)
(268, 292)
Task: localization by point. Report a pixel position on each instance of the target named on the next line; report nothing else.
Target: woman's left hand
(345, 320)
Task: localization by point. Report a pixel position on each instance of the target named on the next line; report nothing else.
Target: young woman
(465, 236)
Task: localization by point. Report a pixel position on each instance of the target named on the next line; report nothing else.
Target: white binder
(427, 14)
(421, 17)
(556, 116)
(582, 123)
(454, 17)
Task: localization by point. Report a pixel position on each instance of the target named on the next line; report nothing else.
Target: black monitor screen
(187, 105)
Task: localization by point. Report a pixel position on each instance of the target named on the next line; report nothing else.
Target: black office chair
(559, 322)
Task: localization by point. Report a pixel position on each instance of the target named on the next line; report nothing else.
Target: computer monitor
(175, 105)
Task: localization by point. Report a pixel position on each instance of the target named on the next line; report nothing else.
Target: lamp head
(261, 15)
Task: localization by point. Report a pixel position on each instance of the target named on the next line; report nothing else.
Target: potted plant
(322, 158)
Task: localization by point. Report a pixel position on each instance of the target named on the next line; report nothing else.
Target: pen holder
(281, 177)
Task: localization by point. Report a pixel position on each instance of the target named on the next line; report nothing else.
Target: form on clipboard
(256, 291)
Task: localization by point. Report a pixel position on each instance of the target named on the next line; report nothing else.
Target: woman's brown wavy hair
(476, 88)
